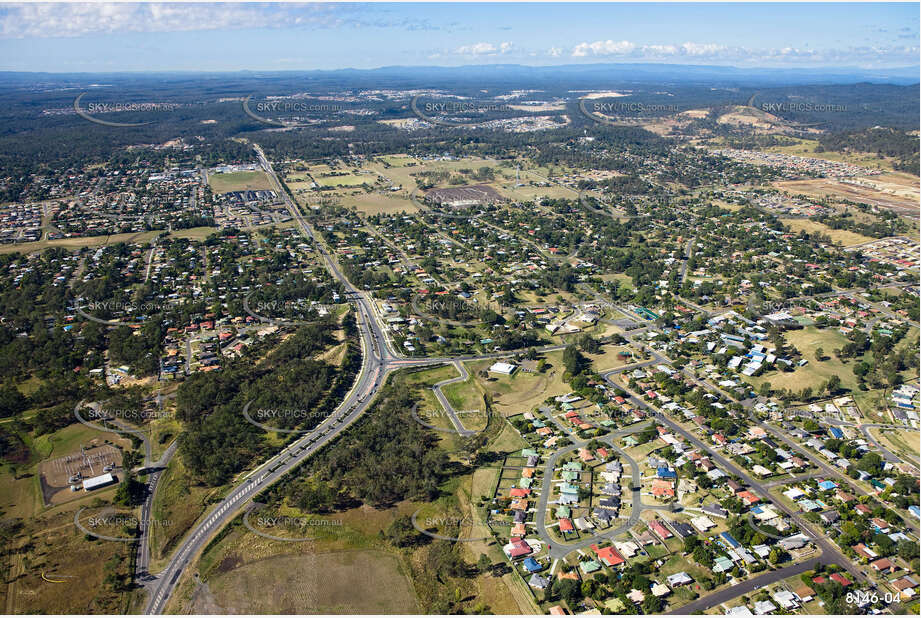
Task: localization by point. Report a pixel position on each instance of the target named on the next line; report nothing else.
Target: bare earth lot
(354, 582)
(900, 199)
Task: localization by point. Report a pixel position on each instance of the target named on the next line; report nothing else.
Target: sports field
(239, 181)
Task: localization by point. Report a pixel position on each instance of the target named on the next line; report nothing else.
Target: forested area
(888, 142)
(384, 458)
(218, 441)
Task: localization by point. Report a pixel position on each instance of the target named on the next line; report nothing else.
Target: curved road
(559, 549)
(452, 413)
(378, 360)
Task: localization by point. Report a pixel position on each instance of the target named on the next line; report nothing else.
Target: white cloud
(46, 20)
(484, 49)
(706, 49)
(743, 56)
(661, 50)
(603, 48)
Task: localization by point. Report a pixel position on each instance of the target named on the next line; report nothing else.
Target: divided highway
(377, 361)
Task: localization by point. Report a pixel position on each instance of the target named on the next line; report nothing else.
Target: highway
(378, 360)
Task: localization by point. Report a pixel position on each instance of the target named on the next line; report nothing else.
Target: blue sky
(268, 36)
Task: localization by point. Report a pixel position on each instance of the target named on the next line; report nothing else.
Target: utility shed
(98, 481)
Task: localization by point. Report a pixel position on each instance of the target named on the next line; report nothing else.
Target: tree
(573, 360)
(12, 402)
(861, 369)
(130, 492)
(402, 533)
(833, 384)
(908, 550)
(819, 354)
(652, 604)
(871, 463)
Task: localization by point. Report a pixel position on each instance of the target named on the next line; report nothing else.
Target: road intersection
(378, 361)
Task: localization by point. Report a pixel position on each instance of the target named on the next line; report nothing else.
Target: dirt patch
(203, 602)
(901, 200)
(352, 582)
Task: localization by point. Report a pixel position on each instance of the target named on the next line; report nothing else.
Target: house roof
(608, 555)
(882, 564)
(532, 565)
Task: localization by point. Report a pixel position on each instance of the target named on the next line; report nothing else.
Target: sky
(101, 37)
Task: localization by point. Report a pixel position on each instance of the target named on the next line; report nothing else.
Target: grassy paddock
(239, 181)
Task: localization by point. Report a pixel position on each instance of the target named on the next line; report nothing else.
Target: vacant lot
(399, 160)
(901, 442)
(239, 181)
(522, 391)
(74, 566)
(845, 237)
(816, 373)
(608, 358)
(901, 202)
(354, 582)
(345, 180)
(379, 204)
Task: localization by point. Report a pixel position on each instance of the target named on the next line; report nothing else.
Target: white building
(503, 368)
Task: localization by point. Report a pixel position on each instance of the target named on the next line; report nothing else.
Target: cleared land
(901, 442)
(845, 237)
(835, 189)
(815, 373)
(378, 203)
(355, 582)
(239, 181)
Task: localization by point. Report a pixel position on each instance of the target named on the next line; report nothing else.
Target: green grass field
(815, 373)
(239, 181)
(347, 180)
